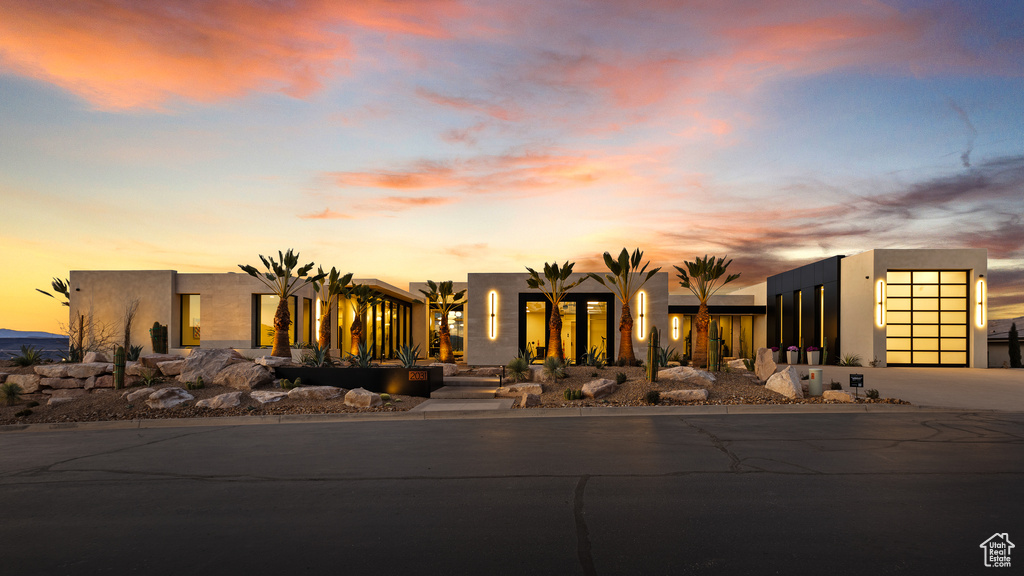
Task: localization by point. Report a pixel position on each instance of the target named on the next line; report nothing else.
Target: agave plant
(30, 355)
(408, 356)
(280, 280)
(593, 358)
(133, 353)
(362, 357)
(665, 354)
(317, 356)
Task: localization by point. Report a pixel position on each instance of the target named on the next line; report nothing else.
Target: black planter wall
(405, 381)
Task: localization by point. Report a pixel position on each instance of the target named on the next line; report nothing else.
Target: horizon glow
(417, 139)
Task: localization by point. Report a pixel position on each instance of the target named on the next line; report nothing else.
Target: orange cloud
(121, 55)
(495, 111)
(327, 214)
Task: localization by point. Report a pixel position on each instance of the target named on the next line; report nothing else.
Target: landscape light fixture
(493, 333)
(641, 299)
(675, 328)
(979, 306)
(880, 303)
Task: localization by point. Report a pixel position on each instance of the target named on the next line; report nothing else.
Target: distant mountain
(5, 333)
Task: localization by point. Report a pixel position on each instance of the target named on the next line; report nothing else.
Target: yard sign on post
(856, 381)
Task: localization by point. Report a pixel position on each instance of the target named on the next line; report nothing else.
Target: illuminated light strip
(675, 328)
(641, 303)
(880, 304)
(493, 313)
(979, 311)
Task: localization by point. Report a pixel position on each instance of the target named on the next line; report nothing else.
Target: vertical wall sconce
(641, 307)
(880, 304)
(979, 306)
(675, 328)
(493, 300)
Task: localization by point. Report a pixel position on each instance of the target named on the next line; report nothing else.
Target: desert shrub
(10, 392)
(554, 368)
(621, 362)
(25, 412)
(30, 355)
(518, 369)
(132, 353)
(652, 397)
(872, 393)
(850, 360)
(620, 377)
(874, 363)
(592, 358)
(835, 386)
(363, 356)
(287, 384)
(594, 374)
(150, 377)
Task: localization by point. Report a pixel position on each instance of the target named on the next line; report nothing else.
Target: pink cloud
(327, 214)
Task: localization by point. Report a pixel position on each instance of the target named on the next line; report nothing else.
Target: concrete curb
(583, 411)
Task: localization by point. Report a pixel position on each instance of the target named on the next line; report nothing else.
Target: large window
(456, 329)
(307, 320)
(265, 307)
(190, 320)
(926, 317)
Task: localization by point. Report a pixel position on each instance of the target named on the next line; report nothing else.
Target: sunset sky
(415, 139)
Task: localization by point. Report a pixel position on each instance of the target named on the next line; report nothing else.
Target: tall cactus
(714, 347)
(653, 354)
(119, 361)
(158, 337)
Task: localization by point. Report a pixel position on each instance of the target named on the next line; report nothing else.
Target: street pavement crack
(583, 548)
(734, 461)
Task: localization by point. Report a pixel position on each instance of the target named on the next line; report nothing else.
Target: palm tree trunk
(555, 339)
(445, 337)
(700, 339)
(324, 338)
(357, 333)
(626, 336)
(282, 321)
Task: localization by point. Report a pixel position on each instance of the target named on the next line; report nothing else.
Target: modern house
(895, 307)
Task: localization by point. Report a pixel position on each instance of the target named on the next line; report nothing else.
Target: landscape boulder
(764, 365)
(244, 376)
(517, 390)
(104, 381)
(228, 400)
(61, 383)
(152, 361)
(837, 396)
(267, 396)
(528, 400)
(685, 395)
(133, 395)
(274, 361)
(89, 370)
(787, 383)
(140, 370)
(29, 382)
(171, 367)
(686, 373)
(207, 363)
(314, 393)
(64, 396)
(599, 388)
(91, 357)
(737, 364)
(52, 370)
(362, 398)
(488, 371)
(168, 398)
(449, 369)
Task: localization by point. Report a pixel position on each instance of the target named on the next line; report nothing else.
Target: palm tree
(626, 278)
(554, 290)
(75, 341)
(701, 277)
(441, 294)
(362, 297)
(60, 287)
(328, 288)
(280, 280)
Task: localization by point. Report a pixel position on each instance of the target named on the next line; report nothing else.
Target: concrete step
(463, 392)
(474, 381)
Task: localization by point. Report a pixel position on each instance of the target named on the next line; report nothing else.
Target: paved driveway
(972, 388)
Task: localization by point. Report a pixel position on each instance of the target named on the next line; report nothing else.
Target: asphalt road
(901, 493)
